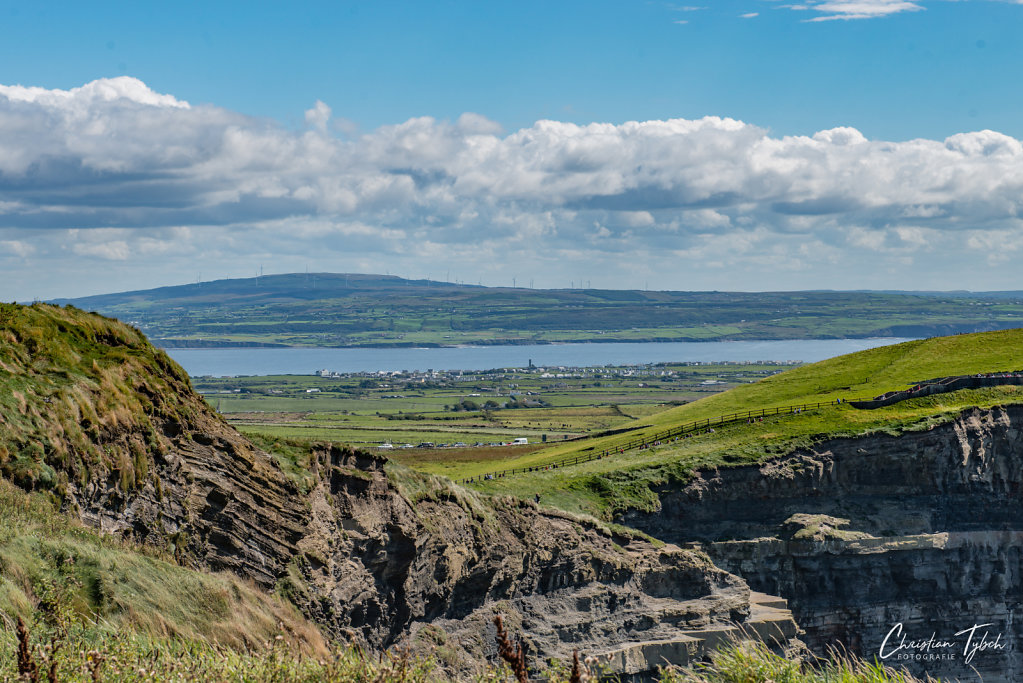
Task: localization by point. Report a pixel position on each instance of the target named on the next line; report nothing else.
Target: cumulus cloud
(318, 116)
(108, 90)
(856, 9)
(116, 172)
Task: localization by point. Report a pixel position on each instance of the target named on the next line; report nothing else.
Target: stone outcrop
(862, 535)
(375, 564)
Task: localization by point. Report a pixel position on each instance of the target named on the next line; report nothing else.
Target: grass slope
(81, 394)
(53, 569)
(604, 486)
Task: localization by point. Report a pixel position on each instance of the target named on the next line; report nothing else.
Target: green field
(452, 408)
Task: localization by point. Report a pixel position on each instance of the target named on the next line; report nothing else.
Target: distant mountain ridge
(356, 309)
(292, 284)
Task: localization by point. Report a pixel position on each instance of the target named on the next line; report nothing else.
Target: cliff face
(374, 564)
(863, 535)
(384, 564)
(372, 552)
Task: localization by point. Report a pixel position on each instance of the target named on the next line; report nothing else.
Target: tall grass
(86, 652)
(53, 570)
(90, 652)
(753, 662)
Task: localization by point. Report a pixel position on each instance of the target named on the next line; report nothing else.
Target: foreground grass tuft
(97, 653)
(83, 653)
(54, 571)
(753, 662)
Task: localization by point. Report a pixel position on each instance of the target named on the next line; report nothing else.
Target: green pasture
(611, 484)
(368, 411)
(601, 486)
(370, 437)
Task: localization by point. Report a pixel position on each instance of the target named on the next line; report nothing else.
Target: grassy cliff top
(623, 480)
(863, 374)
(74, 384)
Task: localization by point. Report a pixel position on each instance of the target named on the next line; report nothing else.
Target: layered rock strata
(377, 563)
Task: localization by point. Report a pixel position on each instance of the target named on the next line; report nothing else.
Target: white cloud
(855, 9)
(17, 248)
(318, 117)
(749, 15)
(146, 179)
(122, 89)
(111, 251)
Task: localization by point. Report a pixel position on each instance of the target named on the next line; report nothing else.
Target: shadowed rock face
(860, 535)
(367, 563)
(452, 559)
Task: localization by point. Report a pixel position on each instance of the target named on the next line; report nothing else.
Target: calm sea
(224, 362)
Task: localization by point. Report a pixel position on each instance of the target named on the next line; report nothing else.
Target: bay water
(307, 361)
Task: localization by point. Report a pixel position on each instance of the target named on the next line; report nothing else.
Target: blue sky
(333, 136)
(946, 68)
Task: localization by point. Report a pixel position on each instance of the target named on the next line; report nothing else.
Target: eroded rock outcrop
(861, 535)
(444, 557)
(377, 564)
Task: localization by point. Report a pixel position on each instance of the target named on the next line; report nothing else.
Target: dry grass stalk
(27, 668)
(577, 671)
(514, 655)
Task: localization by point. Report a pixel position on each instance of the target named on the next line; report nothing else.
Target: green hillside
(82, 393)
(340, 310)
(602, 486)
(865, 374)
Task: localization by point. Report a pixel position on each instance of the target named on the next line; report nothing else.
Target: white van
(521, 441)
